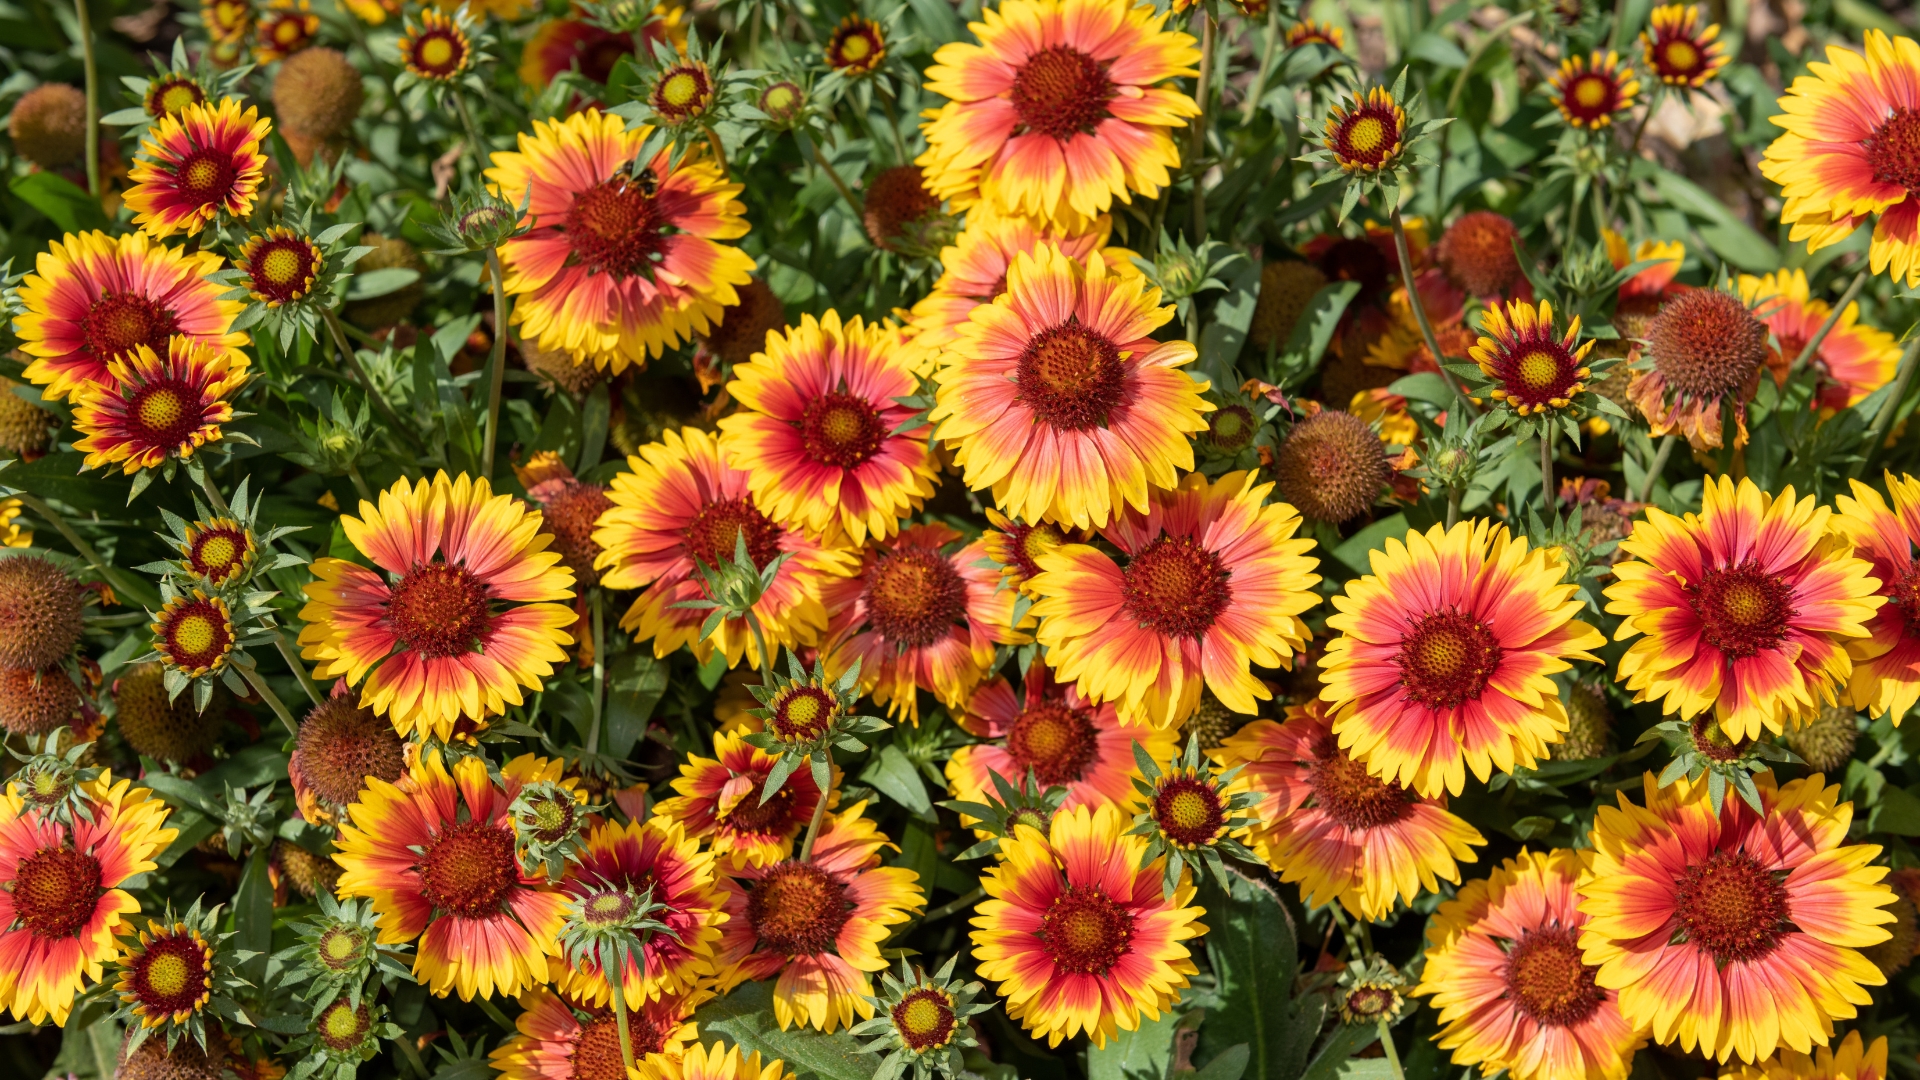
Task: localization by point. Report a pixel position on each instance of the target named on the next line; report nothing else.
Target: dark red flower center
(164, 414)
(120, 322)
(841, 430)
(1903, 596)
(750, 815)
(172, 976)
(1536, 373)
(287, 31)
(602, 54)
(469, 868)
(196, 634)
(1713, 743)
(1371, 1000)
(1188, 810)
(1061, 91)
(1446, 658)
(596, 1051)
(440, 610)
(1678, 57)
(683, 90)
(169, 95)
(715, 533)
(219, 552)
(1733, 907)
(614, 228)
(1893, 150)
(1742, 609)
(282, 268)
(1071, 377)
(924, 1018)
(55, 891)
(1548, 980)
(1592, 96)
(1175, 587)
(802, 714)
(1056, 741)
(343, 1026)
(856, 45)
(1085, 932)
(1361, 261)
(914, 596)
(1351, 795)
(797, 910)
(205, 176)
(438, 53)
(1368, 136)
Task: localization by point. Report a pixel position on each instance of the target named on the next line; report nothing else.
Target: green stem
(1619, 24)
(352, 360)
(1660, 457)
(1460, 83)
(620, 1018)
(1258, 88)
(1420, 313)
(1884, 418)
(359, 482)
(1197, 145)
(93, 96)
(214, 498)
(893, 125)
(496, 365)
(947, 909)
(473, 133)
(1453, 505)
(131, 587)
(1546, 467)
(412, 1054)
(1812, 346)
(299, 669)
(760, 642)
(813, 827)
(1393, 1052)
(826, 166)
(493, 1012)
(599, 669)
(272, 699)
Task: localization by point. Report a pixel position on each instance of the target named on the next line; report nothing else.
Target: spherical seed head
(36, 702)
(1826, 743)
(1589, 725)
(306, 872)
(896, 200)
(571, 511)
(317, 93)
(1477, 254)
(1332, 466)
(389, 252)
(743, 328)
(40, 613)
(49, 125)
(556, 368)
(186, 1061)
(1706, 343)
(165, 730)
(1286, 288)
(25, 429)
(341, 744)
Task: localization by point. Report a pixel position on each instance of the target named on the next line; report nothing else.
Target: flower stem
(1546, 467)
(299, 669)
(1460, 83)
(599, 670)
(760, 642)
(473, 133)
(272, 699)
(132, 587)
(1258, 88)
(1883, 419)
(1453, 505)
(93, 96)
(1197, 146)
(949, 908)
(826, 166)
(1420, 313)
(212, 490)
(813, 827)
(1660, 457)
(496, 365)
(352, 360)
(1833, 318)
(1393, 1052)
(359, 482)
(412, 1053)
(493, 1012)
(620, 1018)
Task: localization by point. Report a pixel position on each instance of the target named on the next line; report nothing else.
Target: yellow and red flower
(1016, 547)
(1591, 90)
(1855, 1060)
(1059, 109)
(718, 797)
(226, 20)
(435, 854)
(1078, 933)
(1853, 360)
(1739, 932)
(1310, 32)
(1747, 608)
(166, 974)
(458, 615)
(1330, 825)
(285, 27)
(436, 48)
(616, 266)
(1531, 369)
(1505, 972)
(658, 856)
(1065, 740)
(1851, 152)
(94, 298)
(281, 266)
(61, 901)
(1214, 581)
(1886, 661)
(1057, 397)
(194, 633)
(818, 924)
(197, 165)
(156, 407)
(680, 507)
(1446, 654)
(556, 1039)
(1366, 133)
(713, 1063)
(917, 616)
(818, 433)
(1680, 51)
(857, 46)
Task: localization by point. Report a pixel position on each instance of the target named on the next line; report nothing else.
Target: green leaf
(1314, 330)
(261, 763)
(593, 428)
(65, 203)
(1226, 332)
(376, 283)
(635, 684)
(1425, 386)
(1730, 237)
(1230, 1064)
(1437, 50)
(1136, 1055)
(1898, 813)
(896, 778)
(253, 917)
(1251, 946)
(745, 1017)
(192, 827)
(1347, 1040)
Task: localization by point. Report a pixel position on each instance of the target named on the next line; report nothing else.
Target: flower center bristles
(607, 907)
(802, 714)
(1732, 907)
(1071, 377)
(750, 815)
(1055, 741)
(1546, 978)
(1742, 609)
(217, 553)
(1175, 587)
(1893, 150)
(1590, 92)
(119, 322)
(924, 1018)
(468, 869)
(1188, 811)
(172, 976)
(1229, 430)
(797, 910)
(440, 610)
(163, 414)
(282, 269)
(716, 529)
(1030, 542)
(915, 597)
(1903, 596)
(1446, 659)
(841, 430)
(1368, 137)
(1085, 932)
(1349, 794)
(552, 818)
(614, 228)
(197, 634)
(343, 1027)
(1061, 91)
(1706, 343)
(206, 176)
(1537, 373)
(55, 891)
(596, 1053)
(681, 92)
